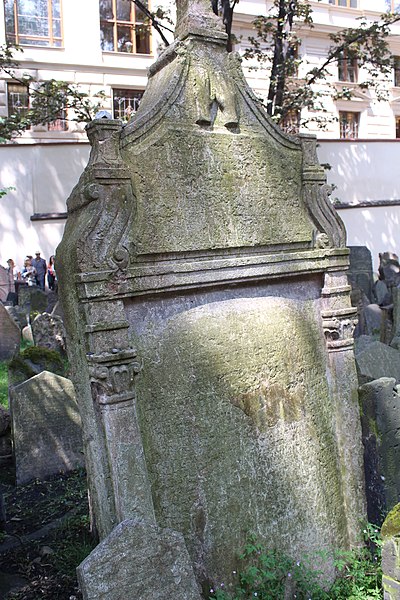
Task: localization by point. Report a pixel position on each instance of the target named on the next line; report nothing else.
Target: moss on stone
(391, 525)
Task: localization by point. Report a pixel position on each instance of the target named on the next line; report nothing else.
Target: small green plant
(272, 575)
(3, 384)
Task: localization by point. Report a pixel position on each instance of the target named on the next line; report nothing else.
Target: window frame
(133, 23)
(346, 66)
(134, 96)
(354, 122)
(11, 107)
(396, 70)
(347, 5)
(23, 39)
(397, 127)
(58, 125)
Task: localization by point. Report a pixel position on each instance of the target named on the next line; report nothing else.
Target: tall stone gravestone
(203, 281)
(6, 283)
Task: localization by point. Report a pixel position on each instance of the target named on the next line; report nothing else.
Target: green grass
(3, 384)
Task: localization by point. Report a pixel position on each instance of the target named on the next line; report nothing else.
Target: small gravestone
(48, 332)
(32, 299)
(380, 419)
(360, 273)
(19, 315)
(6, 283)
(46, 427)
(138, 560)
(10, 335)
(378, 360)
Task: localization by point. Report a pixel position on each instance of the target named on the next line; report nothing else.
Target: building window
(18, 104)
(347, 68)
(17, 99)
(126, 103)
(291, 122)
(346, 3)
(33, 22)
(349, 123)
(123, 27)
(396, 70)
(397, 128)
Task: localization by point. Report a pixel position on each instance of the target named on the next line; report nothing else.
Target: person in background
(12, 268)
(28, 272)
(51, 273)
(40, 266)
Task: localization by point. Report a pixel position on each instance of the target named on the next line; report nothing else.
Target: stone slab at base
(138, 561)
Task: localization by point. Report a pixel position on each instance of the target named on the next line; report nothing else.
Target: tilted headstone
(380, 418)
(49, 332)
(112, 571)
(6, 283)
(46, 427)
(360, 272)
(10, 335)
(202, 275)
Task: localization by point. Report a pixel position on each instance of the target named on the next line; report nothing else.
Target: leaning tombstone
(6, 284)
(202, 276)
(10, 335)
(46, 427)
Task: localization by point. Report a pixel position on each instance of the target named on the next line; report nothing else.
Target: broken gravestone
(127, 575)
(48, 332)
(202, 275)
(360, 273)
(46, 427)
(10, 335)
(32, 299)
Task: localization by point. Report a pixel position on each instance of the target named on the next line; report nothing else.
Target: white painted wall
(43, 177)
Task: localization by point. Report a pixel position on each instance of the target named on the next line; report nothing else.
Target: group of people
(34, 271)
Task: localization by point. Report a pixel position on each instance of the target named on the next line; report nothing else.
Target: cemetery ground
(46, 533)
(46, 536)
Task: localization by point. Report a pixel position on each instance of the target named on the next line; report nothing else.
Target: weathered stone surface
(32, 299)
(389, 268)
(49, 332)
(395, 341)
(32, 361)
(4, 420)
(27, 334)
(381, 293)
(391, 554)
(18, 314)
(380, 418)
(46, 427)
(362, 342)
(10, 335)
(216, 377)
(360, 273)
(373, 319)
(140, 561)
(6, 283)
(378, 360)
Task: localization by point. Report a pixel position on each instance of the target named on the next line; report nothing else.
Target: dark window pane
(9, 17)
(124, 42)
(397, 127)
(107, 37)
(349, 125)
(126, 103)
(142, 40)
(106, 11)
(140, 16)
(124, 10)
(17, 99)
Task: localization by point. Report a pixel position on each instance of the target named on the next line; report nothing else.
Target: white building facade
(102, 46)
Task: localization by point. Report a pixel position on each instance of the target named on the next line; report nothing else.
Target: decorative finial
(197, 17)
